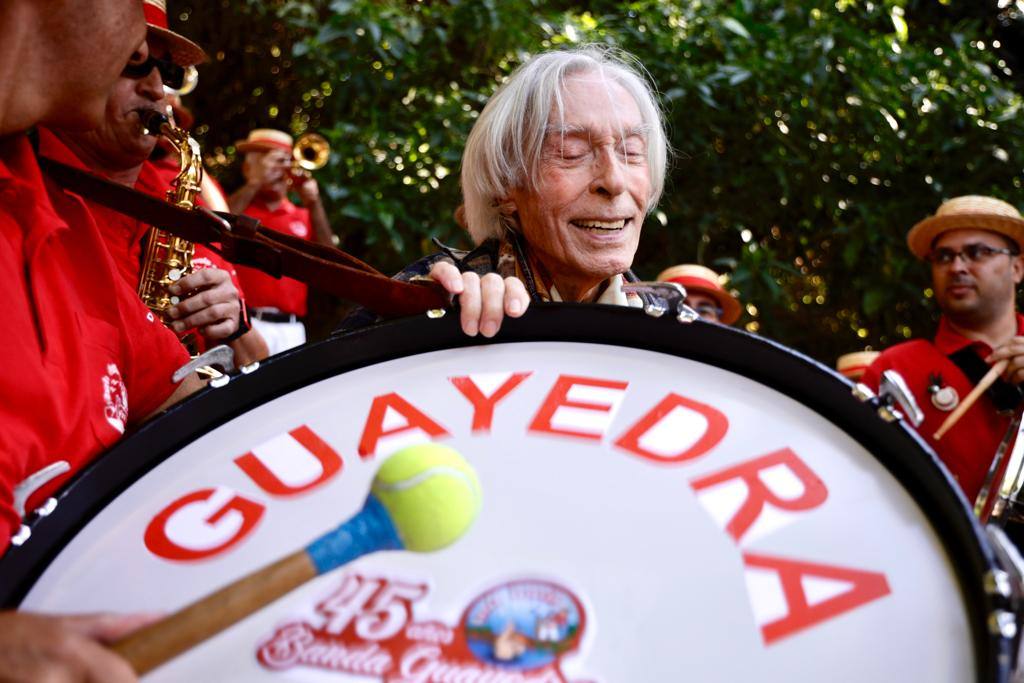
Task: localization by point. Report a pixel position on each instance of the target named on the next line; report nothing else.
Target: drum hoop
(813, 385)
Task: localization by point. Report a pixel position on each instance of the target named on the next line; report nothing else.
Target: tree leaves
(736, 27)
(795, 122)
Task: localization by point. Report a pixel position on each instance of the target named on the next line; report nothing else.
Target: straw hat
(183, 51)
(265, 139)
(704, 280)
(853, 365)
(969, 212)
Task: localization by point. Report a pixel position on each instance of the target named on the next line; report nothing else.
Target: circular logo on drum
(523, 624)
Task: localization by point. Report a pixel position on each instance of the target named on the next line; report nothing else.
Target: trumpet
(310, 153)
(189, 84)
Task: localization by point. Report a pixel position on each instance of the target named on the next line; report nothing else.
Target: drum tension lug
(665, 297)
(24, 532)
(997, 583)
(863, 393)
(893, 391)
(222, 357)
(1003, 624)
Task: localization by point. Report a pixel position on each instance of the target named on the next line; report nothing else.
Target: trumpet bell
(189, 84)
(311, 152)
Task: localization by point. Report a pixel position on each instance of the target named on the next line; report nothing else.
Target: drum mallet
(986, 381)
(423, 498)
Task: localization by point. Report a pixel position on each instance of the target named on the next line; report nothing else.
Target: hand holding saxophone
(209, 302)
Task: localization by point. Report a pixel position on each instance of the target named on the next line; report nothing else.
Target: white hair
(503, 151)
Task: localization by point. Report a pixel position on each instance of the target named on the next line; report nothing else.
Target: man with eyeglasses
(973, 245)
(704, 292)
(119, 149)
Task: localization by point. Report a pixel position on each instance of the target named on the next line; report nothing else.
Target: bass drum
(662, 502)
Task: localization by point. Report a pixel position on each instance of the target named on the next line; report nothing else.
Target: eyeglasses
(173, 76)
(971, 253)
(708, 311)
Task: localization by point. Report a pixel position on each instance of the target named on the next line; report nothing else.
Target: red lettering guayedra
(272, 464)
(586, 419)
(483, 406)
(374, 430)
(676, 444)
(863, 587)
(202, 524)
(759, 491)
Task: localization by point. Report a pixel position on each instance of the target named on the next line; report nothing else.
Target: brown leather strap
(242, 240)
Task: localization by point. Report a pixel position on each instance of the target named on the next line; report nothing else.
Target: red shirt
(265, 291)
(124, 234)
(83, 358)
(970, 446)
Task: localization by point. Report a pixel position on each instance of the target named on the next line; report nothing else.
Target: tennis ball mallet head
(423, 498)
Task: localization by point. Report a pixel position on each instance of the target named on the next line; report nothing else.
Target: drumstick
(986, 381)
(422, 499)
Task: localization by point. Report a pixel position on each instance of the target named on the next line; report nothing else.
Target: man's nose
(609, 174)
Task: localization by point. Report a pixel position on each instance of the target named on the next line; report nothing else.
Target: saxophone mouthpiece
(152, 121)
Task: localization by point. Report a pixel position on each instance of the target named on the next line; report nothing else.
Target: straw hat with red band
(183, 51)
(265, 139)
(705, 281)
(968, 212)
(854, 365)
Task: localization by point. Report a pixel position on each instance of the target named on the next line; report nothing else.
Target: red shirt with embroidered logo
(83, 357)
(970, 446)
(265, 291)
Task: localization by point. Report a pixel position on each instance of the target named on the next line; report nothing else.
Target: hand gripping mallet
(423, 498)
(990, 377)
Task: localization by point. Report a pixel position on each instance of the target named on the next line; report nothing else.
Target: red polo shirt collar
(949, 341)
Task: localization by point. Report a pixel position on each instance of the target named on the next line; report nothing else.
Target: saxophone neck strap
(242, 240)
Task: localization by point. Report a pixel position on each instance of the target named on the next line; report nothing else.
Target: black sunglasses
(172, 75)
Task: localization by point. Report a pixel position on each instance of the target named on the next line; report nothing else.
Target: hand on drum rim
(484, 301)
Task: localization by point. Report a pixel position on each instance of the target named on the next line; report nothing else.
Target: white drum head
(646, 517)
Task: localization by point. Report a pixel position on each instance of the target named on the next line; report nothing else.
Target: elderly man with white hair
(559, 171)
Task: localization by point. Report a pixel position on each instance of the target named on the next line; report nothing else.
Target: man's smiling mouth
(601, 226)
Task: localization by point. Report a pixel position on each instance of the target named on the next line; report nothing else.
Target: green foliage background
(808, 136)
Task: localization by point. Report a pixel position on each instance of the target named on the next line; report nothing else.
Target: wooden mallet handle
(986, 381)
(368, 531)
(151, 646)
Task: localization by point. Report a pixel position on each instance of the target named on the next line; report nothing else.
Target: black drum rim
(757, 358)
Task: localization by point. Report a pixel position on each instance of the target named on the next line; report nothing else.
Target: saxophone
(168, 258)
